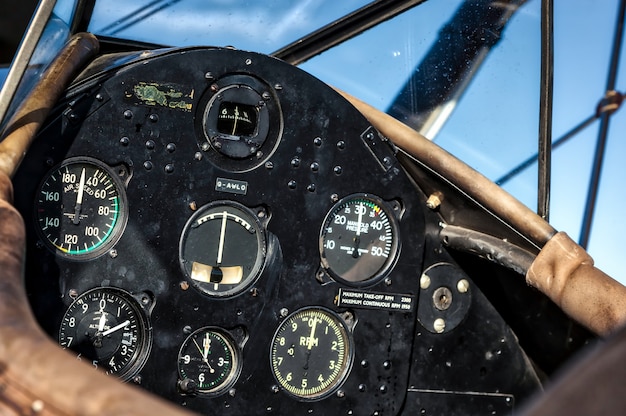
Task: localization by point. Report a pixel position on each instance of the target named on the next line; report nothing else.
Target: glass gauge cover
(107, 327)
(80, 208)
(210, 359)
(359, 239)
(311, 353)
(223, 249)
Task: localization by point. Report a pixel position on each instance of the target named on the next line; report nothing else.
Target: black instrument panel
(265, 236)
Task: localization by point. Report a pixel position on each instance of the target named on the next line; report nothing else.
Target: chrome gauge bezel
(363, 270)
(54, 219)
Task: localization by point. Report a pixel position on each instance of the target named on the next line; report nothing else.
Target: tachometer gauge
(222, 249)
(80, 208)
(210, 359)
(107, 327)
(359, 239)
(311, 353)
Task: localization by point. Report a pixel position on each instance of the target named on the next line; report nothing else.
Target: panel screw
(439, 325)
(283, 312)
(462, 286)
(424, 281)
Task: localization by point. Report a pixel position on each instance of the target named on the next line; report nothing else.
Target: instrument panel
(227, 232)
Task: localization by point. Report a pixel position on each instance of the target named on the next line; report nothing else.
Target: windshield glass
(250, 25)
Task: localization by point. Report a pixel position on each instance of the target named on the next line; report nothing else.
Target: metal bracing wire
(594, 181)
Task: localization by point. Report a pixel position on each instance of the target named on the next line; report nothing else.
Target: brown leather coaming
(565, 272)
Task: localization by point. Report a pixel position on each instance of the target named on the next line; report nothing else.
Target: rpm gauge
(359, 239)
(107, 327)
(223, 248)
(80, 208)
(311, 353)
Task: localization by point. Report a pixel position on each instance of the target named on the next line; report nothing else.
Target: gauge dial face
(311, 353)
(107, 327)
(359, 239)
(80, 208)
(210, 358)
(222, 249)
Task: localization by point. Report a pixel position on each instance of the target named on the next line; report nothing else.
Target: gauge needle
(357, 238)
(206, 361)
(312, 335)
(101, 322)
(79, 198)
(116, 328)
(236, 118)
(206, 344)
(220, 248)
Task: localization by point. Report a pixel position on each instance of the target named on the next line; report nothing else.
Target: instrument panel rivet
(424, 282)
(388, 281)
(387, 365)
(128, 114)
(341, 145)
(315, 167)
(232, 392)
(169, 168)
(171, 147)
(99, 97)
(198, 155)
(362, 388)
(462, 286)
(364, 363)
(124, 141)
(291, 184)
(153, 118)
(248, 61)
(205, 146)
(311, 187)
(338, 170)
(278, 87)
(317, 141)
(439, 325)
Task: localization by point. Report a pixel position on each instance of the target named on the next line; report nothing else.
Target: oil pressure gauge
(80, 208)
(359, 239)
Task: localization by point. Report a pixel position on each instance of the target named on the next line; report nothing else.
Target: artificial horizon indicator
(80, 208)
(107, 327)
(311, 353)
(223, 248)
(359, 239)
